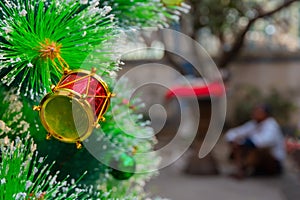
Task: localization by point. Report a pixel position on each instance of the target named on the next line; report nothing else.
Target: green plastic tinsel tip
(40, 38)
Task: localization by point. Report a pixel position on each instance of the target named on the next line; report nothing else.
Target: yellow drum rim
(75, 97)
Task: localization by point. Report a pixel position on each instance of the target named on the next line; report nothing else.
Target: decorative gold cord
(104, 105)
(74, 81)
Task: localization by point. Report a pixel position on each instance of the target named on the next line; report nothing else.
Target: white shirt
(266, 134)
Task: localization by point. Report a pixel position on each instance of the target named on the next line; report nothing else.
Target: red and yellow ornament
(76, 104)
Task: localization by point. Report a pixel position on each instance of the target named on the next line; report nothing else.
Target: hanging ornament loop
(50, 50)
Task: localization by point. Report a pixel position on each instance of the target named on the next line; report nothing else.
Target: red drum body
(75, 106)
(91, 88)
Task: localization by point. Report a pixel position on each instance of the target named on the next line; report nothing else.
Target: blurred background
(255, 45)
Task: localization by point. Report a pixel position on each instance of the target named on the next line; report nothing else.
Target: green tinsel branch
(146, 13)
(23, 175)
(41, 38)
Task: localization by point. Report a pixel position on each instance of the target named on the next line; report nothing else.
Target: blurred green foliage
(248, 96)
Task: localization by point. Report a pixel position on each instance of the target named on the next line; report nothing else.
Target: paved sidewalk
(176, 186)
(172, 183)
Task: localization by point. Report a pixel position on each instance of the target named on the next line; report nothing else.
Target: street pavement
(173, 183)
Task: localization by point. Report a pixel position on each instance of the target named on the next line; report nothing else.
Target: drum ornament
(75, 106)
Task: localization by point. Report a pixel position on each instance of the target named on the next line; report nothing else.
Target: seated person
(257, 146)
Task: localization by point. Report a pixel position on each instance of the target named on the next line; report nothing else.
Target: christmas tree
(54, 46)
